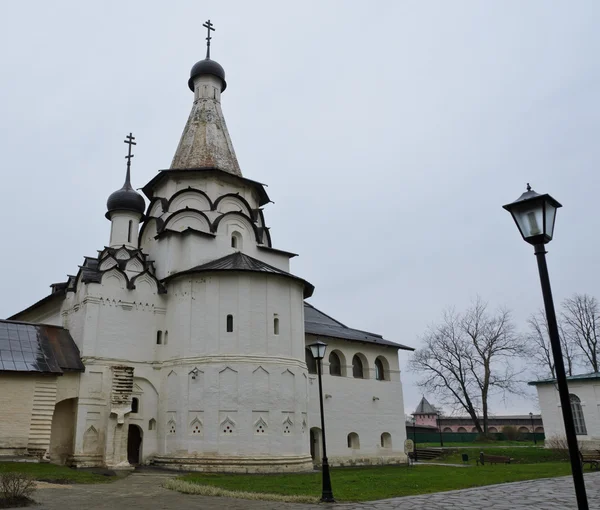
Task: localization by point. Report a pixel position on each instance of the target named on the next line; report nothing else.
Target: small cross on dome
(209, 27)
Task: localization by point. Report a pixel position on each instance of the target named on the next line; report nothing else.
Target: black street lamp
(439, 424)
(414, 420)
(318, 351)
(534, 215)
(532, 428)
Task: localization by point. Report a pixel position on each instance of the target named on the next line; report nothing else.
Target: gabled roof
(26, 347)
(320, 324)
(592, 376)
(425, 407)
(241, 262)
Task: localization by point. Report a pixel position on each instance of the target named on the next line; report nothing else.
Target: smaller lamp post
(414, 421)
(532, 428)
(318, 351)
(439, 424)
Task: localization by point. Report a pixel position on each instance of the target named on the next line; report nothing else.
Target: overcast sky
(390, 134)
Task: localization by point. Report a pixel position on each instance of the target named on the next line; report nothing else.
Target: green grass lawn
(53, 473)
(475, 444)
(373, 483)
(520, 455)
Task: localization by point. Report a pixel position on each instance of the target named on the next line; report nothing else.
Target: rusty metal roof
(26, 347)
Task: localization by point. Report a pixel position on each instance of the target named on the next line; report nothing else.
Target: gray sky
(390, 134)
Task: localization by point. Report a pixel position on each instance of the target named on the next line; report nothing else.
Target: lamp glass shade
(318, 349)
(535, 216)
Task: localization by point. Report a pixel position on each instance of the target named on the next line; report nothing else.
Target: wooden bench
(591, 458)
(492, 459)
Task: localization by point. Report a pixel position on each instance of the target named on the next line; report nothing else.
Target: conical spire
(205, 142)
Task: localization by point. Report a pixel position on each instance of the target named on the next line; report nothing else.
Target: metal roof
(26, 347)
(320, 324)
(425, 407)
(581, 377)
(240, 262)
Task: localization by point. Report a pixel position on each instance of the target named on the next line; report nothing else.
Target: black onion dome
(125, 199)
(207, 66)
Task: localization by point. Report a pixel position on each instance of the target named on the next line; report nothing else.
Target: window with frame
(335, 365)
(379, 370)
(230, 323)
(357, 367)
(276, 326)
(578, 418)
(159, 337)
(135, 405)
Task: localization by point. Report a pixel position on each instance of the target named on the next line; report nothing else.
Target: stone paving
(144, 491)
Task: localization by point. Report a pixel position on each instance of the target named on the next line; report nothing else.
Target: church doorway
(316, 444)
(134, 445)
(62, 430)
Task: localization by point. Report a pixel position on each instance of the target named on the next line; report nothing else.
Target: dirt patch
(60, 484)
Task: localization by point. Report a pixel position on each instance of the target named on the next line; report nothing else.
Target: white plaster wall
(16, 402)
(589, 394)
(350, 406)
(120, 233)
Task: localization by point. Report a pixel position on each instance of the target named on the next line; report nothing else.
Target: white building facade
(193, 331)
(584, 394)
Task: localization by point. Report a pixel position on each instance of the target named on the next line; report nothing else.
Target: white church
(182, 344)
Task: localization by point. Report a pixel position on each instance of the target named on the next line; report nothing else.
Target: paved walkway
(144, 491)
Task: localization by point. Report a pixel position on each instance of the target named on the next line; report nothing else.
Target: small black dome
(207, 66)
(125, 199)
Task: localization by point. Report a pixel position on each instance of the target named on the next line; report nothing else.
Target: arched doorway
(62, 430)
(315, 444)
(134, 445)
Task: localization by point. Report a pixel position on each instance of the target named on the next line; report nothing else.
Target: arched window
(276, 326)
(129, 231)
(523, 430)
(135, 405)
(152, 424)
(447, 429)
(461, 429)
(335, 365)
(386, 440)
(578, 418)
(357, 367)
(379, 370)
(311, 362)
(230, 323)
(353, 441)
(236, 240)
(492, 430)
(158, 337)
(474, 430)
(166, 338)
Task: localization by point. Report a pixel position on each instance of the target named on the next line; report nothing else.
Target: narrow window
(230, 324)
(276, 326)
(311, 362)
(129, 231)
(379, 372)
(353, 441)
(166, 338)
(135, 405)
(386, 440)
(357, 367)
(152, 424)
(158, 337)
(335, 365)
(233, 242)
(578, 418)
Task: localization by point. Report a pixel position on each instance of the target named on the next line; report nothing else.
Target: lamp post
(318, 351)
(532, 428)
(439, 424)
(414, 420)
(535, 215)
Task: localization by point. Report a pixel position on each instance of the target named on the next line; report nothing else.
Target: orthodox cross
(129, 140)
(209, 26)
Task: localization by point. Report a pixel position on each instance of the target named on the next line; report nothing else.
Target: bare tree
(539, 348)
(580, 315)
(465, 359)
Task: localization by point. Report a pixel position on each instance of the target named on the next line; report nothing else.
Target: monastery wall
(365, 407)
(16, 401)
